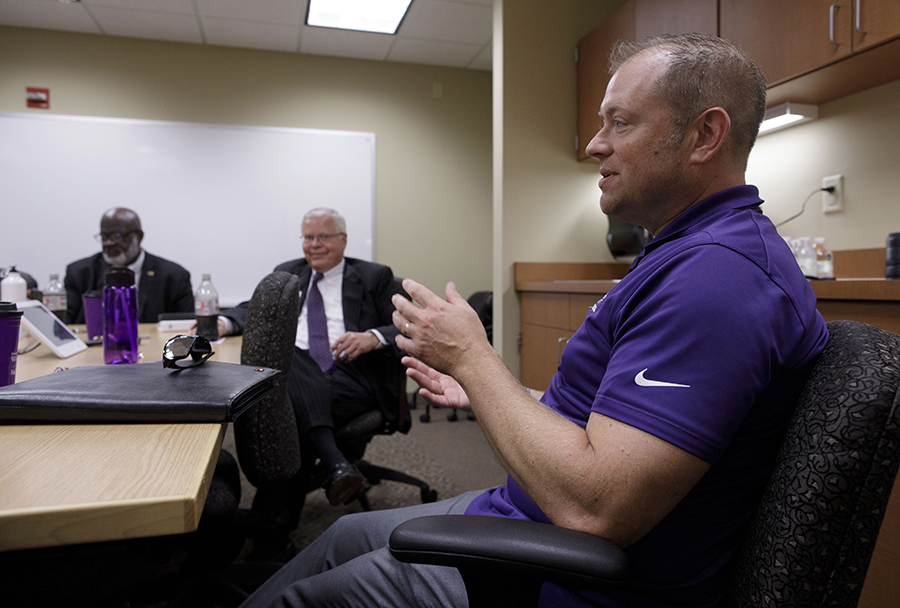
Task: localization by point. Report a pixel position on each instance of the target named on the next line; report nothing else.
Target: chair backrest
(812, 538)
(377, 422)
(266, 437)
(483, 303)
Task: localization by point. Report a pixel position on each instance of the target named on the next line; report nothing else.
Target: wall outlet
(833, 201)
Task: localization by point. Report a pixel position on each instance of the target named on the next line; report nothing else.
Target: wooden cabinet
(810, 51)
(593, 70)
(634, 20)
(545, 332)
(548, 321)
(555, 299)
(657, 17)
(874, 22)
(788, 38)
(814, 51)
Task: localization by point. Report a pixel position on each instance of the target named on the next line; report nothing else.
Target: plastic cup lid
(8, 310)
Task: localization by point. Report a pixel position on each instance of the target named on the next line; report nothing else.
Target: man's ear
(710, 131)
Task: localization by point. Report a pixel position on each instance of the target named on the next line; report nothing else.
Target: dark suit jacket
(164, 287)
(366, 293)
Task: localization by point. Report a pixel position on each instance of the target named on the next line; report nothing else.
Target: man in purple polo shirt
(661, 424)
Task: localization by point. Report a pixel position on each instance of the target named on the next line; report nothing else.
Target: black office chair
(483, 303)
(809, 543)
(354, 436)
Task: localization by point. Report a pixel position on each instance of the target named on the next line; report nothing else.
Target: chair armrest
(528, 549)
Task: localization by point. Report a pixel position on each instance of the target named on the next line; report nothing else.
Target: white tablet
(46, 327)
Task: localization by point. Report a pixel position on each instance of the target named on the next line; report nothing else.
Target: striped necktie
(319, 348)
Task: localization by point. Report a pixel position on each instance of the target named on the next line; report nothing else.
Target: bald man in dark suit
(162, 286)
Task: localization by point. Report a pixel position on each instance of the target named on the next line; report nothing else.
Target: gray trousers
(350, 565)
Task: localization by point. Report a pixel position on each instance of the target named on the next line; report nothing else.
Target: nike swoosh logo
(641, 381)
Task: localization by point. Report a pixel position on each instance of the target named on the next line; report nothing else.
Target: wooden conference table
(68, 484)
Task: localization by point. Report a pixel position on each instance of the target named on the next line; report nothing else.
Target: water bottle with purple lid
(120, 317)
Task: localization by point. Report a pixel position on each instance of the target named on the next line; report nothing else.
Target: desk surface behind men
(67, 484)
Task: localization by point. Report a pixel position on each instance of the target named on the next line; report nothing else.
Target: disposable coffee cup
(93, 313)
(10, 319)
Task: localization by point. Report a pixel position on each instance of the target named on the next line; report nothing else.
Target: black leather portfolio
(141, 393)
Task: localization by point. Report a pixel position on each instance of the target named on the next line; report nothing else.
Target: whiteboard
(218, 199)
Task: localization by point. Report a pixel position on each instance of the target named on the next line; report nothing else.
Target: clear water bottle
(806, 258)
(55, 297)
(206, 309)
(824, 259)
(120, 316)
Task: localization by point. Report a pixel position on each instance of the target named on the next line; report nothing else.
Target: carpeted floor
(452, 457)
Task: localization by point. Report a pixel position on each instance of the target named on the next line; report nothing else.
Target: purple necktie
(319, 349)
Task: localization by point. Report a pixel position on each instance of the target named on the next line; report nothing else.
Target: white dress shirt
(330, 286)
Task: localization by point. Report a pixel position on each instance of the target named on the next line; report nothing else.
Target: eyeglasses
(178, 349)
(322, 238)
(100, 237)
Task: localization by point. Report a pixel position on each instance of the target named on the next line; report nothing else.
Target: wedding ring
(406, 330)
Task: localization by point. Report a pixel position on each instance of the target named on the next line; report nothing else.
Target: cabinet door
(788, 38)
(593, 70)
(874, 21)
(634, 20)
(579, 306)
(656, 17)
(541, 350)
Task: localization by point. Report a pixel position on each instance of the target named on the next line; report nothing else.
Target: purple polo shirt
(705, 344)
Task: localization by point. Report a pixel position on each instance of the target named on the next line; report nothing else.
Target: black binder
(140, 393)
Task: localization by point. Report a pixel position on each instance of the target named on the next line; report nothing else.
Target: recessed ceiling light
(380, 16)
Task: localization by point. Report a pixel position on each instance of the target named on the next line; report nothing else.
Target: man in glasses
(345, 337)
(162, 286)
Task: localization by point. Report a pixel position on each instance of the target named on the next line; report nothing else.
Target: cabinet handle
(560, 344)
(831, 13)
(859, 18)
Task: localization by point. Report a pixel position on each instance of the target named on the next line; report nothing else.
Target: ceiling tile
(47, 14)
(185, 7)
(147, 24)
(433, 52)
(285, 12)
(435, 32)
(250, 34)
(343, 43)
(484, 60)
(448, 21)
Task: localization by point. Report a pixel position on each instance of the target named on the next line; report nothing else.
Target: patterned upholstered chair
(268, 449)
(809, 543)
(265, 435)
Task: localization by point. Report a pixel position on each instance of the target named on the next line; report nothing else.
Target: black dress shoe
(344, 484)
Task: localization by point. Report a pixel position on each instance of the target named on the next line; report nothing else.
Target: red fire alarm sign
(37, 98)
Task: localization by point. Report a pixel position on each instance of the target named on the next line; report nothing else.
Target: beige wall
(434, 191)
(856, 137)
(433, 157)
(550, 202)
(550, 209)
